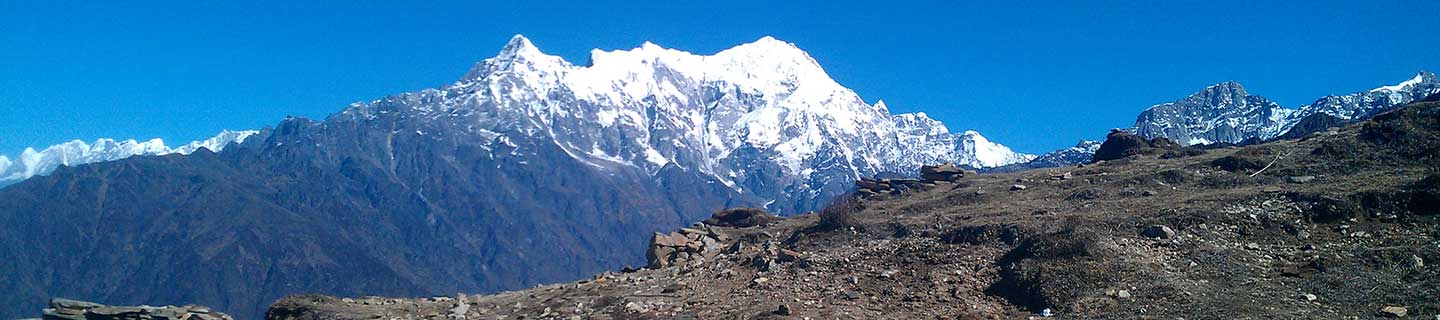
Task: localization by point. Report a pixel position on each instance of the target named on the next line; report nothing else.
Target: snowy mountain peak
(1423, 77)
(977, 151)
(880, 105)
(1230, 90)
(519, 46)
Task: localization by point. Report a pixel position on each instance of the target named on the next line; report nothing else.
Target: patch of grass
(839, 215)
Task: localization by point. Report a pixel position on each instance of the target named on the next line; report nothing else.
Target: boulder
(944, 172)
(1394, 312)
(1158, 231)
(741, 218)
(62, 303)
(668, 240)
(1120, 144)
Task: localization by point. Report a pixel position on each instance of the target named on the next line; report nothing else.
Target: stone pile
(929, 177)
(698, 242)
(943, 172)
(66, 309)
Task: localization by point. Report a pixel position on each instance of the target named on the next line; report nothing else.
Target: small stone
(1309, 297)
(1394, 311)
(1252, 246)
(787, 255)
(1300, 179)
(850, 295)
(783, 310)
(887, 274)
(1018, 187)
(1149, 193)
(1123, 294)
(759, 281)
(1416, 262)
(1271, 189)
(1158, 231)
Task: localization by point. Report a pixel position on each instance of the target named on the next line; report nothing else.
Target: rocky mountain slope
(527, 170)
(31, 162)
(1339, 224)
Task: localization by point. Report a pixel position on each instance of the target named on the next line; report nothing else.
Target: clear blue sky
(1036, 77)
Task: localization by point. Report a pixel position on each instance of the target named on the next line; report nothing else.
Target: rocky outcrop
(741, 218)
(944, 172)
(693, 244)
(66, 309)
(1120, 144)
(930, 176)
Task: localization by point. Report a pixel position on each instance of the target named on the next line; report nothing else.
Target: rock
(1123, 294)
(52, 314)
(1149, 193)
(1158, 231)
(787, 255)
(1300, 179)
(759, 281)
(1271, 189)
(1394, 311)
(741, 218)
(783, 310)
(1252, 246)
(1063, 176)
(1416, 262)
(1018, 187)
(1309, 297)
(944, 172)
(668, 240)
(1120, 144)
(459, 311)
(73, 304)
(659, 257)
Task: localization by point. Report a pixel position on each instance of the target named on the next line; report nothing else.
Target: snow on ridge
(32, 162)
(985, 154)
(1420, 77)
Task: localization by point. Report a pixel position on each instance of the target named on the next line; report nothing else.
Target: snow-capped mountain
(762, 117)
(1082, 152)
(1223, 112)
(32, 162)
(526, 170)
(1226, 113)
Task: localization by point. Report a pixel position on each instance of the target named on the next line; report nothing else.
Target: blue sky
(1036, 77)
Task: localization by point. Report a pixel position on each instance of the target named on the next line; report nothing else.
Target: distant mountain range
(31, 162)
(1226, 113)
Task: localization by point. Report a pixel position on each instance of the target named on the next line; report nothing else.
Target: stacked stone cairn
(66, 309)
(929, 176)
(689, 245)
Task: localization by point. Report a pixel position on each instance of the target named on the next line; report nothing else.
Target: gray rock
(1018, 187)
(1300, 179)
(783, 310)
(53, 314)
(1158, 231)
(73, 304)
(1394, 311)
